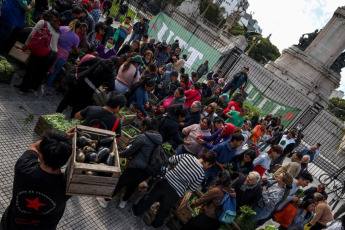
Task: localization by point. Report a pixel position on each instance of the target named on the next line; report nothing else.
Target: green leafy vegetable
(58, 121)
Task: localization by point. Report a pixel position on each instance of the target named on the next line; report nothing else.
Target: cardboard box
(18, 54)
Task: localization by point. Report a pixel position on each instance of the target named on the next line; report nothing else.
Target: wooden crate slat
(93, 179)
(83, 189)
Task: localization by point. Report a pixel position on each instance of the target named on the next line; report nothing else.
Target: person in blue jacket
(225, 152)
(240, 80)
(13, 13)
(139, 94)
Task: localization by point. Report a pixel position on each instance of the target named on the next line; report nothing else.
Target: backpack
(78, 73)
(226, 210)
(157, 160)
(39, 44)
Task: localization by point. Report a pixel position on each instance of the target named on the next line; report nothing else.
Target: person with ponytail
(38, 66)
(140, 92)
(207, 219)
(272, 197)
(128, 74)
(68, 40)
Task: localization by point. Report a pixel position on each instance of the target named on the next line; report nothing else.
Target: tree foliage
(337, 107)
(263, 52)
(176, 3)
(214, 13)
(237, 30)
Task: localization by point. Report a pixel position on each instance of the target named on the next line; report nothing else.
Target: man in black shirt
(309, 193)
(104, 117)
(39, 187)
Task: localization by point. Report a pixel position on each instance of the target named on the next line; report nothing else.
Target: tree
(263, 51)
(337, 107)
(237, 30)
(176, 3)
(214, 13)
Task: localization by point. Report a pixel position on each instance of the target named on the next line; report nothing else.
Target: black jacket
(147, 46)
(169, 88)
(249, 197)
(142, 148)
(140, 29)
(192, 118)
(169, 129)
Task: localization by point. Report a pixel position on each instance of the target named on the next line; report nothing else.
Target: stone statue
(339, 63)
(306, 39)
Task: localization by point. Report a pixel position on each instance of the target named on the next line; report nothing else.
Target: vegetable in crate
(131, 132)
(87, 149)
(80, 156)
(124, 112)
(111, 159)
(102, 153)
(106, 142)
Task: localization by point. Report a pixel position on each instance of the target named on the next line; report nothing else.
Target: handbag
(100, 96)
(285, 216)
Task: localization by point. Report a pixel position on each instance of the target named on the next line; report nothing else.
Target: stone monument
(313, 66)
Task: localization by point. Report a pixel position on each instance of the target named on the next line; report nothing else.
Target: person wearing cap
(240, 80)
(221, 135)
(225, 152)
(170, 86)
(223, 100)
(128, 74)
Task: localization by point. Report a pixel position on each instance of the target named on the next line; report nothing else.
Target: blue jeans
(261, 214)
(179, 150)
(262, 146)
(118, 16)
(120, 88)
(51, 77)
(6, 31)
(210, 179)
(134, 37)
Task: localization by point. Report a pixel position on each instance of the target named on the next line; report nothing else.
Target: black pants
(163, 193)
(130, 178)
(202, 222)
(317, 226)
(119, 43)
(79, 97)
(37, 71)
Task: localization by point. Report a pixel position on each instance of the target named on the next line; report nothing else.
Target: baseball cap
(138, 59)
(225, 96)
(246, 67)
(229, 129)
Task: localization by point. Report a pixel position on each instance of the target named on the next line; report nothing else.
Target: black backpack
(157, 161)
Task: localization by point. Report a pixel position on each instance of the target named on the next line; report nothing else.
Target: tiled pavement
(16, 134)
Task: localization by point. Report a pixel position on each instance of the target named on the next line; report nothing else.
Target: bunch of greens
(124, 112)
(131, 132)
(246, 220)
(5, 66)
(58, 121)
(269, 227)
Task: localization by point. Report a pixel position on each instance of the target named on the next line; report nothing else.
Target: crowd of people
(217, 147)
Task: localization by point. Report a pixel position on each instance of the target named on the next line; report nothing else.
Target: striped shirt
(187, 175)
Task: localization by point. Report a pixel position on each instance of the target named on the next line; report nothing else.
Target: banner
(268, 105)
(163, 28)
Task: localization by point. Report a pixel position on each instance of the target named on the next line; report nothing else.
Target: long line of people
(210, 134)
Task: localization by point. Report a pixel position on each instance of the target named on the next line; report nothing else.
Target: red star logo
(96, 126)
(154, 26)
(34, 203)
(288, 116)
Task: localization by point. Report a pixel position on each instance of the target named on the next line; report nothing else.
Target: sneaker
(122, 204)
(103, 203)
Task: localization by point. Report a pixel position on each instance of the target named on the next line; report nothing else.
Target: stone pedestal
(309, 71)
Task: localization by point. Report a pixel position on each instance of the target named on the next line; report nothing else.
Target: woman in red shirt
(192, 95)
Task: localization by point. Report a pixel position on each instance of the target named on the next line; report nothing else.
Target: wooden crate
(102, 185)
(41, 126)
(127, 119)
(125, 138)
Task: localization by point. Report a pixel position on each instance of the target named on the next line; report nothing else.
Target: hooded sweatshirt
(142, 148)
(212, 199)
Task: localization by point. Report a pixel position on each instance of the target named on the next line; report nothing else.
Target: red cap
(229, 129)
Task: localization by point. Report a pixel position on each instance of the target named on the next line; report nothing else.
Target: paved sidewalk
(16, 136)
